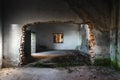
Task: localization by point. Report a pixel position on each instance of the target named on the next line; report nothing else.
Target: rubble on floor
(69, 73)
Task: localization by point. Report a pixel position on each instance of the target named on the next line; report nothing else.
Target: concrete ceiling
(96, 11)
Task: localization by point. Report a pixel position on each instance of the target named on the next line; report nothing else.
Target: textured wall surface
(112, 44)
(95, 11)
(118, 56)
(18, 13)
(102, 44)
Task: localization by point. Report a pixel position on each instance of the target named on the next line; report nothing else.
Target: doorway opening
(39, 39)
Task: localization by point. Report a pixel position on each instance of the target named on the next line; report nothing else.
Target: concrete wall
(102, 44)
(0, 35)
(71, 36)
(20, 12)
(84, 47)
(112, 44)
(118, 34)
(115, 34)
(119, 38)
(99, 15)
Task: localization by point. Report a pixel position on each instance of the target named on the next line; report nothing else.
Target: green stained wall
(115, 35)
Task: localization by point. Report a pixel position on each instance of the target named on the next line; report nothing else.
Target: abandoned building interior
(59, 33)
(34, 30)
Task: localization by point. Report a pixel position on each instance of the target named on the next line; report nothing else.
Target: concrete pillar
(84, 45)
(118, 24)
(115, 34)
(0, 35)
(12, 35)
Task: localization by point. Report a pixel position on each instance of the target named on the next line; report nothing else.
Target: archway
(23, 59)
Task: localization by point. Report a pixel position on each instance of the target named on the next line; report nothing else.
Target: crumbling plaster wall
(20, 12)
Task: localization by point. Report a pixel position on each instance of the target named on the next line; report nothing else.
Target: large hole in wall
(39, 37)
(90, 38)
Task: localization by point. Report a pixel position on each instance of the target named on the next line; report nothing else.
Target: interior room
(53, 40)
(59, 39)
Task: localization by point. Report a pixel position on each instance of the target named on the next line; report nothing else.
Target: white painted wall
(71, 36)
(84, 35)
(0, 36)
(33, 42)
(21, 12)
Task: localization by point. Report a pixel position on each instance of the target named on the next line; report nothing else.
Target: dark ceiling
(96, 11)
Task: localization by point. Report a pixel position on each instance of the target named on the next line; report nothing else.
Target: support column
(0, 35)
(118, 32)
(114, 34)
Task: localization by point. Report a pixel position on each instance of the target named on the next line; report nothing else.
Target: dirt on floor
(68, 73)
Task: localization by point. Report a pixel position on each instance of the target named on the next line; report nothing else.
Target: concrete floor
(73, 73)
